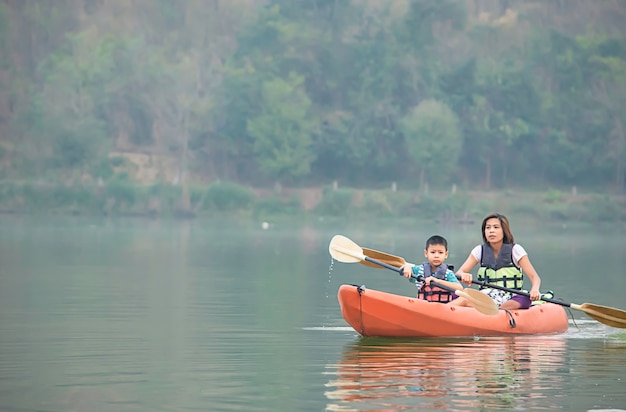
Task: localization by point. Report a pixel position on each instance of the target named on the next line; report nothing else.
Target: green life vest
(499, 270)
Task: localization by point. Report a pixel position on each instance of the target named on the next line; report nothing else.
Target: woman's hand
(534, 294)
(465, 277)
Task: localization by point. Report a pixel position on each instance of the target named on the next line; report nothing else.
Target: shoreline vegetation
(127, 198)
(139, 108)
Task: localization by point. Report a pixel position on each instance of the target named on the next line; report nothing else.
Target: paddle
(604, 314)
(345, 250)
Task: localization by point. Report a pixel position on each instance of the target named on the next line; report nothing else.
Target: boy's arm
(453, 285)
(451, 281)
(451, 277)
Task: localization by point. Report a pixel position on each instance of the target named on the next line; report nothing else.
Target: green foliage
(553, 196)
(456, 204)
(49, 197)
(310, 91)
(336, 202)
(604, 209)
(166, 194)
(8, 189)
(282, 133)
(423, 14)
(122, 191)
(526, 209)
(103, 167)
(377, 203)
(276, 205)
(77, 147)
(403, 203)
(228, 196)
(118, 161)
(76, 198)
(433, 138)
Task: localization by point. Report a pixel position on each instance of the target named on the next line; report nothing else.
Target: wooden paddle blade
(480, 301)
(345, 250)
(392, 260)
(604, 314)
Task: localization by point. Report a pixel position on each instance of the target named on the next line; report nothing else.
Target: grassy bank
(125, 198)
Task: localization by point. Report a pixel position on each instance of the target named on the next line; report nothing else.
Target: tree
(433, 138)
(282, 131)
(73, 132)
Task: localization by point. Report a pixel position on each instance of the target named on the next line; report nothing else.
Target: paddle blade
(609, 316)
(480, 301)
(345, 250)
(392, 260)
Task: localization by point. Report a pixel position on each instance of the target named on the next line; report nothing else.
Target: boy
(436, 269)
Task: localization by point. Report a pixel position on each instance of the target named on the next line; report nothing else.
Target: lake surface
(222, 315)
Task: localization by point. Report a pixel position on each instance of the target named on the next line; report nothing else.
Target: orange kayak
(374, 313)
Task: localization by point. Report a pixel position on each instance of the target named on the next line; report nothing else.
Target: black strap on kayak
(361, 289)
(511, 319)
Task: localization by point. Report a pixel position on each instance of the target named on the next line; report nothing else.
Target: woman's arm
(463, 271)
(535, 280)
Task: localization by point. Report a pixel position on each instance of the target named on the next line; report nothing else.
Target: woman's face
(493, 230)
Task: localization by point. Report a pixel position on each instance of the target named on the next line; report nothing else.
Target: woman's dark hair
(506, 228)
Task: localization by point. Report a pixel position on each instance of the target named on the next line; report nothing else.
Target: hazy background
(478, 93)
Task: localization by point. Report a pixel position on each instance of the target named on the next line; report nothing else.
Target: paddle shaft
(517, 292)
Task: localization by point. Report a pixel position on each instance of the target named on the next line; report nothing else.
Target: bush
(73, 196)
(276, 206)
(335, 202)
(553, 196)
(228, 196)
(377, 204)
(9, 191)
(104, 168)
(165, 192)
(122, 190)
(605, 209)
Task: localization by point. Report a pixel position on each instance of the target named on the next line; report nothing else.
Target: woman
(502, 263)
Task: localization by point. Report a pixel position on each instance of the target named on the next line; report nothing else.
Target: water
(522, 373)
(220, 315)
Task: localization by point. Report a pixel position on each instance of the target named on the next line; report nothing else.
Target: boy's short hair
(436, 240)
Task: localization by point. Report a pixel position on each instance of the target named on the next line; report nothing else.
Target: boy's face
(436, 254)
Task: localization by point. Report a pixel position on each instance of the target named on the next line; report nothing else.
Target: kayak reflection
(453, 374)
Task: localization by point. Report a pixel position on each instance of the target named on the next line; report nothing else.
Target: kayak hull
(374, 313)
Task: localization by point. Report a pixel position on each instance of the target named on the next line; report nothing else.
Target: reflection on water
(581, 370)
(486, 374)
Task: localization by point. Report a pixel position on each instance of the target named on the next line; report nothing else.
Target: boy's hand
(407, 270)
